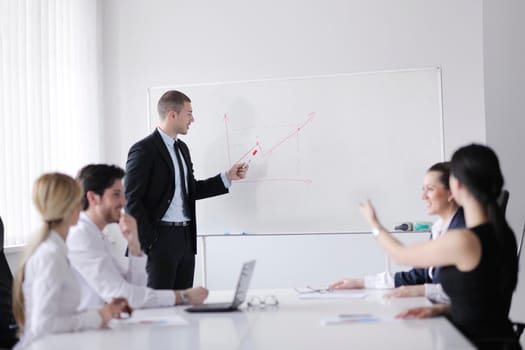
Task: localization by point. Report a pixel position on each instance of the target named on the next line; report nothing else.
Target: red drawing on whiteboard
(257, 151)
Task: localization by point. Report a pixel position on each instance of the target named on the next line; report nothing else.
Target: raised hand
(369, 214)
(128, 226)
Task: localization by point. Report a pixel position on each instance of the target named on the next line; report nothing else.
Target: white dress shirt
(433, 291)
(101, 276)
(174, 211)
(52, 294)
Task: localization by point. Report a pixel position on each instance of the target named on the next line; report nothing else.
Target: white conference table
(294, 324)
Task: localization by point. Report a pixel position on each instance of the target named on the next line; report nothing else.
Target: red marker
(250, 156)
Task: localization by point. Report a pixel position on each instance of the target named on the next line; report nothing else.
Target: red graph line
(258, 145)
(227, 139)
(311, 116)
(271, 179)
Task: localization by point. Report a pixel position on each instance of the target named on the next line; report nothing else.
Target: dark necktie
(185, 203)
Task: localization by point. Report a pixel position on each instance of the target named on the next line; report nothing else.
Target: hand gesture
(128, 226)
(237, 171)
(348, 283)
(114, 310)
(197, 295)
(369, 214)
(406, 292)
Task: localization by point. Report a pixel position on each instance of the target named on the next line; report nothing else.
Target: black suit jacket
(150, 185)
(420, 275)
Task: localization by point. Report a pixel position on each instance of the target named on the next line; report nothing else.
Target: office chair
(7, 322)
(520, 244)
(518, 326)
(503, 200)
(1, 236)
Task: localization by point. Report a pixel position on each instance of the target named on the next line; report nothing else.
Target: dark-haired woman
(480, 265)
(419, 281)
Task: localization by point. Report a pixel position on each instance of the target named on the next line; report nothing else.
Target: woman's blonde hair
(55, 196)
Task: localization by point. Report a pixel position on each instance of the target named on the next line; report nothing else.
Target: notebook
(240, 293)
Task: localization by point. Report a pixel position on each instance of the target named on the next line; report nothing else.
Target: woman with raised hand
(45, 292)
(479, 263)
(419, 281)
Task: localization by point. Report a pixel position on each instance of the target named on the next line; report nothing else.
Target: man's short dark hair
(171, 101)
(97, 178)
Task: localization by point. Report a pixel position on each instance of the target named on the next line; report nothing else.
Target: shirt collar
(441, 226)
(58, 241)
(84, 218)
(166, 138)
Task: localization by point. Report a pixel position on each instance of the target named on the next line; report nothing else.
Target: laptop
(240, 293)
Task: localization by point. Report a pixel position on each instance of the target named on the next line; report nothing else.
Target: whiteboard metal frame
(438, 71)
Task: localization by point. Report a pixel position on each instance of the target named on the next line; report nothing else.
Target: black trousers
(171, 262)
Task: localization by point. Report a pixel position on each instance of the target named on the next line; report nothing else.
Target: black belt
(174, 223)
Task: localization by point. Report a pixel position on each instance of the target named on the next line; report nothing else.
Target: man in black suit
(161, 191)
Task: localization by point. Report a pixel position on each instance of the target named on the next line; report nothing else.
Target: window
(49, 100)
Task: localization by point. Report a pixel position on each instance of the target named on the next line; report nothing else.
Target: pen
(354, 315)
(245, 165)
(336, 321)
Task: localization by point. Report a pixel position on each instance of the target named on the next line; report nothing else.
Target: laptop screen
(244, 281)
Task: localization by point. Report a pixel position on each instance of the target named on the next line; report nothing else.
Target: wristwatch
(184, 297)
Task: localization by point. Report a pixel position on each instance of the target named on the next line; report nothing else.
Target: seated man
(89, 252)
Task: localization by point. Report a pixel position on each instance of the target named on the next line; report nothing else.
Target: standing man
(89, 251)
(161, 191)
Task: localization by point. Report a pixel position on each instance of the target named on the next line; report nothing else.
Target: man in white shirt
(89, 251)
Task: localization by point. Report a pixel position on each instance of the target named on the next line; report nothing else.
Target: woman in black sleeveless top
(480, 264)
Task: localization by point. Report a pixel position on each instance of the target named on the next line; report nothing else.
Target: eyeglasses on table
(268, 301)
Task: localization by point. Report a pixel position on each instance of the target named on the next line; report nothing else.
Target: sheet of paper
(355, 319)
(153, 321)
(333, 295)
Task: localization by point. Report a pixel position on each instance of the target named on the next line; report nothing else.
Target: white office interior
(478, 45)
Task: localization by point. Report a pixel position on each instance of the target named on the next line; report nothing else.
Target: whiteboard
(323, 144)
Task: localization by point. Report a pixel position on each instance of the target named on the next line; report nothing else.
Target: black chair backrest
(503, 200)
(520, 245)
(1, 235)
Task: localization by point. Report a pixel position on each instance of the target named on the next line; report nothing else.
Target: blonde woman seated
(419, 281)
(479, 264)
(45, 292)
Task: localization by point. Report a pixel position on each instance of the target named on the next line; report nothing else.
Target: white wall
(165, 42)
(504, 58)
(149, 43)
